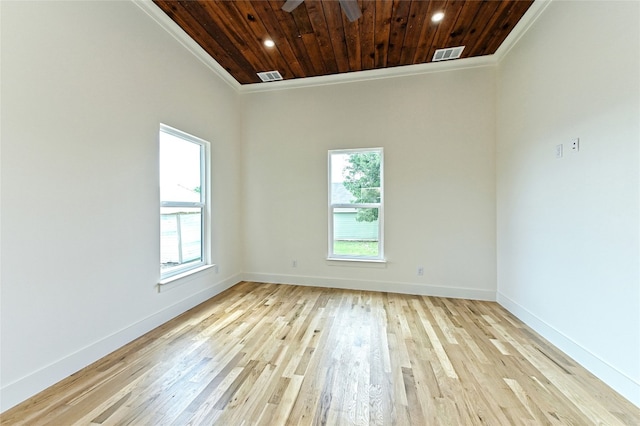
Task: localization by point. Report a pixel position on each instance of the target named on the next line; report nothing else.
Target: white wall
(437, 131)
(85, 86)
(568, 234)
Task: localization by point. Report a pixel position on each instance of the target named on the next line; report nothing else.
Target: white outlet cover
(575, 144)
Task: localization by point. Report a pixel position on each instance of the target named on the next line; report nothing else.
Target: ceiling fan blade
(351, 9)
(291, 4)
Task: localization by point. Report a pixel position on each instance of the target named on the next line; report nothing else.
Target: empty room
(402, 212)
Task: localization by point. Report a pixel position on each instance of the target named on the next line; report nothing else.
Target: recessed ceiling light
(269, 43)
(437, 17)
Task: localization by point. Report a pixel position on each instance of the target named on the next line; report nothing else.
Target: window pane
(180, 172)
(356, 232)
(180, 236)
(339, 193)
(355, 177)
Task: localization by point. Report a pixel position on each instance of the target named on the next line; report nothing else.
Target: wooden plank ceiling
(317, 38)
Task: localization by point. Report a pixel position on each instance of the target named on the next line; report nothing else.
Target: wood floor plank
(269, 354)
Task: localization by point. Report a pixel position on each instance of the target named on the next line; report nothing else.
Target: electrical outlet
(559, 151)
(420, 271)
(294, 263)
(575, 144)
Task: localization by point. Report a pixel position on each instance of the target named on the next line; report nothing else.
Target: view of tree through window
(362, 179)
(355, 204)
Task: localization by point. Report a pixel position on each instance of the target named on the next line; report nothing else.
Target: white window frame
(179, 271)
(380, 206)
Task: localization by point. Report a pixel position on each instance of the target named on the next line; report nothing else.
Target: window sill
(371, 263)
(179, 279)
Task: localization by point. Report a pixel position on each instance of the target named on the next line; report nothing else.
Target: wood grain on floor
(268, 354)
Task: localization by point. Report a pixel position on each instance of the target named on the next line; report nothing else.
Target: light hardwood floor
(269, 354)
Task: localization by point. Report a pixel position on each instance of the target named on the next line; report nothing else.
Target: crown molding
(183, 38)
(369, 75)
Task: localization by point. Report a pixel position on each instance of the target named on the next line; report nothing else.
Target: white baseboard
(21, 389)
(617, 380)
(384, 286)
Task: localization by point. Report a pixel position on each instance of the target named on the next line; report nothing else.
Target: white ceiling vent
(448, 53)
(269, 76)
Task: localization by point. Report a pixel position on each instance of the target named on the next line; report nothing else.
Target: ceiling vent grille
(269, 76)
(446, 54)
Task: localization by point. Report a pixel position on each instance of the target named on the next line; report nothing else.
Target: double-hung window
(356, 204)
(183, 202)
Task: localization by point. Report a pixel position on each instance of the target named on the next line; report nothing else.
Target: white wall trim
(371, 285)
(619, 381)
(21, 389)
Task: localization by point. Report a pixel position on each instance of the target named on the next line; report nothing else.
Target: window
(356, 204)
(183, 202)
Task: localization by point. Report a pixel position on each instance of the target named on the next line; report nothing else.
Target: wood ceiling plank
(463, 28)
(442, 38)
(236, 25)
(477, 25)
(290, 29)
(506, 24)
(489, 16)
(317, 39)
(384, 11)
(262, 10)
(225, 52)
(303, 22)
(255, 33)
(418, 16)
(428, 32)
(335, 25)
(210, 17)
(321, 33)
(352, 41)
(367, 31)
(399, 20)
(301, 16)
(224, 27)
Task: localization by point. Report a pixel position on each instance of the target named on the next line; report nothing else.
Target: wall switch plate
(575, 144)
(559, 151)
(294, 263)
(420, 271)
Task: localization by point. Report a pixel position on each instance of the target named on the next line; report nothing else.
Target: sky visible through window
(338, 163)
(181, 213)
(180, 169)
